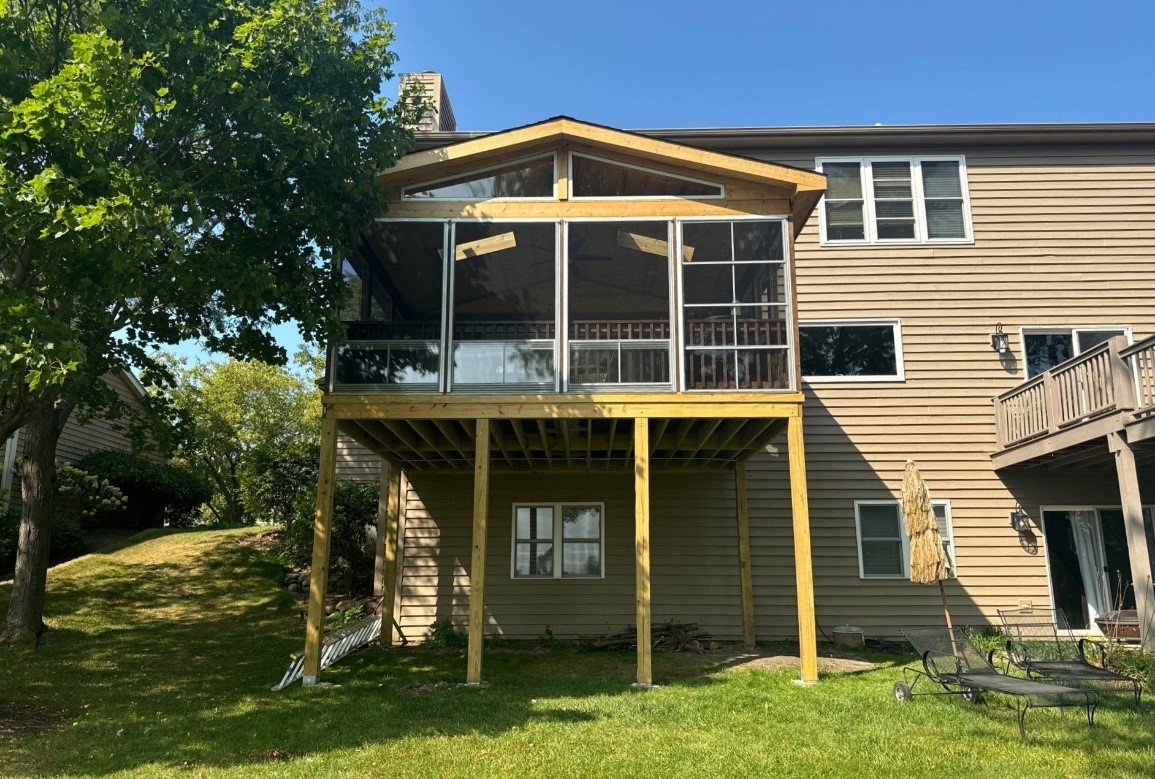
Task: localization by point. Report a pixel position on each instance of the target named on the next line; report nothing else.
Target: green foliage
(444, 635)
(157, 493)
(1128, 660)
(239, 418)
(173, 171)
(82, 496)
(280, 483)
(350, 557)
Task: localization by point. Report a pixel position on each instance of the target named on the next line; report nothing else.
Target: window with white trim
(558, 541)
(883, 545)
(1044, 348)
(895, 200)
(843, 350)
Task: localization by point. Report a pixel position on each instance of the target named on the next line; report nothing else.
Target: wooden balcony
(1071, 407)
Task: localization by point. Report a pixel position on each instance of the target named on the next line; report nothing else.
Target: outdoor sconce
(1000, 341)
(1020, 521)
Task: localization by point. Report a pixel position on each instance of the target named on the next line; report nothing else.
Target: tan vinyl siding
(355, 462)
(1062, 237)
(81, 437)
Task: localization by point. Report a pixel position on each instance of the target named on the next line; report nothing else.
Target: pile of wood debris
(669, 636)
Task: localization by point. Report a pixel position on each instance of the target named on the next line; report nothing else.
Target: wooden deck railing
(1099, 381)
(1142, 359)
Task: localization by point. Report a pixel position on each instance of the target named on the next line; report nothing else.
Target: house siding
(1062, 237)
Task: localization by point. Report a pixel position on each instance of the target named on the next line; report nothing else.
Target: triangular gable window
(597, 178)
(524, 179)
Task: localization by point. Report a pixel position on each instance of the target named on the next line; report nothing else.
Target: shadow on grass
(164, 654)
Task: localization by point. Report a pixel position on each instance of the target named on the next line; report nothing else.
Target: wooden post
(1137, 547)
(803, 570)
(477, 565)
(385, 567)
(642, 548)
(745, 575)
(319, 570)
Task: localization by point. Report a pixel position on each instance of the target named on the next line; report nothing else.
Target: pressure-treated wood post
(477, 565)
(642, 548)
(803, 570)
(319, 571)
(745, 575)
(385, 565)
(1137, 548)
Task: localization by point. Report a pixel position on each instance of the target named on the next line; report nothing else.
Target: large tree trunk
(38, 489)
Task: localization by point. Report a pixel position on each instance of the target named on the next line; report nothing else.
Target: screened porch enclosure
(568, 305)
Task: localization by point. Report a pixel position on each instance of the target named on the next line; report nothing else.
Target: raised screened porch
(567, 298)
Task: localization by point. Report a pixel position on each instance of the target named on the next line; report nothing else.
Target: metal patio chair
(952, 662)
(1039, 643)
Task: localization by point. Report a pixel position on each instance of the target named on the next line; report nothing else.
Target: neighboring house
(76, 440)
(564, 280)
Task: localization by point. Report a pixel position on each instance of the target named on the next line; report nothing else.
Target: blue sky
(693, 64)
(640, 65)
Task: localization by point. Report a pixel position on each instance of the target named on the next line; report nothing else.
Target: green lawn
(163, 653)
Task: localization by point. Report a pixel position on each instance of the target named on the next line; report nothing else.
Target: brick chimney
(440, 113)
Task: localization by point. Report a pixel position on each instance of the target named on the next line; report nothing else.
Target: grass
(163, 652)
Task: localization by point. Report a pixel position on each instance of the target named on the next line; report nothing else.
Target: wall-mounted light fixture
(1000, 341)
(1020, 520)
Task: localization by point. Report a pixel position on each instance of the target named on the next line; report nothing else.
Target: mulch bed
(18, 719)
(262, 542)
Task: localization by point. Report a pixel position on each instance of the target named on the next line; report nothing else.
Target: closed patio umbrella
(928, 560)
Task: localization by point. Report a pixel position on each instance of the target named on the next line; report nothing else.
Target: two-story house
(626, 377)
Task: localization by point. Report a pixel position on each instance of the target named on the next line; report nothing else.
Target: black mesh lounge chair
(952, 662)
(1039, 643)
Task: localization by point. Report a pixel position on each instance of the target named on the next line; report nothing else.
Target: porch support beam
(642, 549)
(803, 569)
(744, 573)
(477, 564)
(322, 534)
(1138, 548)
(385, 564)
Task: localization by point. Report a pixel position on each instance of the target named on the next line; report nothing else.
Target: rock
(713, 645)
(441, 686)
(342, 605)
(294, 587)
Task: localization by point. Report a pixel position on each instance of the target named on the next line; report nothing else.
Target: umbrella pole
(946, 613)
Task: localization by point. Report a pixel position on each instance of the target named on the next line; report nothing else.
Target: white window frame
(904, 538)
(870, 225)
(558, 539)
(1071, 330)
(657, 172)
(899, 362)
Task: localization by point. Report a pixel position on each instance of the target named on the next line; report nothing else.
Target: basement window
(558, 541)
(883, 545)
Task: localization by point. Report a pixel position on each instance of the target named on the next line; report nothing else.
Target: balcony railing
(1111, 377)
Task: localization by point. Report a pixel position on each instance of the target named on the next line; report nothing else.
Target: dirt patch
(18, 720)
(262, 542)
(829, 661)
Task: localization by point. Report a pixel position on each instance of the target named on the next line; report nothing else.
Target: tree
(172, 171)
(237, 413)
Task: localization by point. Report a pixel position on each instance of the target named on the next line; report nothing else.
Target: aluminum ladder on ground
(337, 645)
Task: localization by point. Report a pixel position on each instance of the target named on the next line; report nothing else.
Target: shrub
(1132, 662)
(444, 635)
(350, 559)
(157, 493)
(278, 484)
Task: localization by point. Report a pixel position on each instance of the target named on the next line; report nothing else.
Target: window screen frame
(620, 163)
(1068, 330)
(948, 516)
(406, 197)
(558, 540)
(870, 224)
(899, 362)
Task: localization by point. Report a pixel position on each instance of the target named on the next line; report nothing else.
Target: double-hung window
(883, 545)
(895, 200)
(558, 541)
